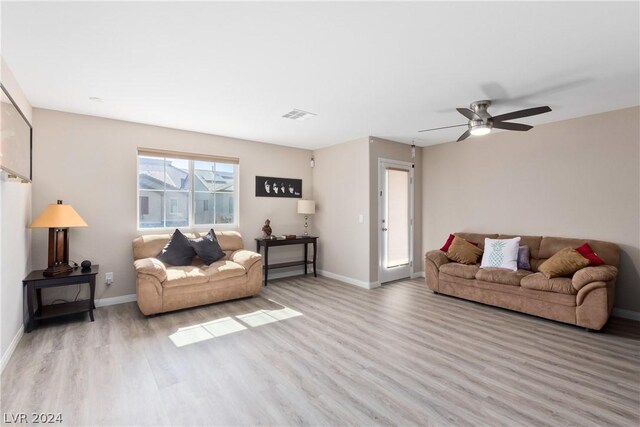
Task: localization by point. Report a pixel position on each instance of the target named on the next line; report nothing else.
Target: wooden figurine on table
(266, 229)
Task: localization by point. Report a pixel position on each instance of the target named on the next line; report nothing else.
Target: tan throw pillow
(563, 263)
(463, 252)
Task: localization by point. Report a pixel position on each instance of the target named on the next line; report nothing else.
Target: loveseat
(584, 299)
(161, 287)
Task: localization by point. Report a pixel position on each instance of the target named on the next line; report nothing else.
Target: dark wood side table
(36, 281)
(299, 240)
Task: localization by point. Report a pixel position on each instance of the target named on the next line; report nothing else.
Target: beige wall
(575, 178)
(90, 163)
(15, 247)
(341, 191)
(384, 149)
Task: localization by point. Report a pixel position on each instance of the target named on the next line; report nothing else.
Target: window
(177, 190)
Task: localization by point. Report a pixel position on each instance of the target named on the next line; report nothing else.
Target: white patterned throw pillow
(501, 253)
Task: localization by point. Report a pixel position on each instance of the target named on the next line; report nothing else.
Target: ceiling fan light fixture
(479, 127)
(480, 130)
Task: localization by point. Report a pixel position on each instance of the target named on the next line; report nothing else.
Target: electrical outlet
(108, 278)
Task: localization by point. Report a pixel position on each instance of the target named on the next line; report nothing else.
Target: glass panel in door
(397, 193)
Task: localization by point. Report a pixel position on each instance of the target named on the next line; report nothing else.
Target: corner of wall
(15, 238)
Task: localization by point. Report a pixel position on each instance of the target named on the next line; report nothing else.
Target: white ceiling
(383, 69)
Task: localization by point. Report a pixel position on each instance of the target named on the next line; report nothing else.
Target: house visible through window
(144, 205)
(186, 192)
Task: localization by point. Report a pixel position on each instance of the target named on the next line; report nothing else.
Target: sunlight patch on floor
(229, 325)
(224, 326)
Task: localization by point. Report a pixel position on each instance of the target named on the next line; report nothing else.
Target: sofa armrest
(602, 273)
(245, 258)
(437, 257)
(151, 266)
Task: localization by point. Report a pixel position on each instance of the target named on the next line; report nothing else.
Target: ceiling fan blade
(521, 113)
(469, 114)
(444, 127)
(464, 135)
(511, 126)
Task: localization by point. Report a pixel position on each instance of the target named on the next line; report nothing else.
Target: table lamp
(306, 208)
(58, 218)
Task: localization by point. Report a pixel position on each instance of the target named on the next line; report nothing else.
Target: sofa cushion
(207, 247)
(463, 252)
(150, 245)
(501, 253)
(459, 270)
(221, 270)
(532, 241)
(476, 237)
(502, 276)
(229, 240)
(187, 275)
(538, 281)
(178, 251)
(564, 263)
(535, 263)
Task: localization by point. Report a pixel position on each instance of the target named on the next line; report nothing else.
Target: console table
(36, 281)
(299, 240)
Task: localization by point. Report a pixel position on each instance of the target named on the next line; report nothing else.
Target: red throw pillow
(446, 245)
(586, 251)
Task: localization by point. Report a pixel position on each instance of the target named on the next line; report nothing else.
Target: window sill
(198, 229)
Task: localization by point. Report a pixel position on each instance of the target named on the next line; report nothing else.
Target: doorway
(395, 191)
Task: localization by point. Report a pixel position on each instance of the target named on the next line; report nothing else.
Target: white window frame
(191, 226)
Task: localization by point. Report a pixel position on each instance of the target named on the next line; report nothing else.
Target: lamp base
(58, 252)
(57, 270)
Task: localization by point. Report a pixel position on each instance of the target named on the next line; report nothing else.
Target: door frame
(381, 205)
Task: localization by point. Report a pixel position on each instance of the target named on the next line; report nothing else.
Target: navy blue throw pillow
(523, 258)
(208, 248)
(178, 251)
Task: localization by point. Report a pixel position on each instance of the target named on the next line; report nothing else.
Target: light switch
(360, 218)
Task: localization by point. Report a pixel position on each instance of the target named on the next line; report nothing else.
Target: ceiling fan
(481, 122)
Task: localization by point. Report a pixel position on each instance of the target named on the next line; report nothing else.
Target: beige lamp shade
(58, 216)
(306, 207)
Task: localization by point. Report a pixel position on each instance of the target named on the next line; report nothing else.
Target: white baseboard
(626, 314)
(417, 274)
(349, 280)
(12, 347)
(116, 300)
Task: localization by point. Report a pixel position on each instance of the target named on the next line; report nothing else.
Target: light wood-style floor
(317, 352)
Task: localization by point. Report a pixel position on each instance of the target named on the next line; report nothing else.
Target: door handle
(384, 229)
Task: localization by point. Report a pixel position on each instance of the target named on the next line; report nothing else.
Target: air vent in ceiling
(300, 115)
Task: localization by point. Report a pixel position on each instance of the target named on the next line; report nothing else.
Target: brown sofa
(161, 287)
(585, 299)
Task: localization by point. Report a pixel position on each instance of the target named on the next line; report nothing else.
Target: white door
(395, 220)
